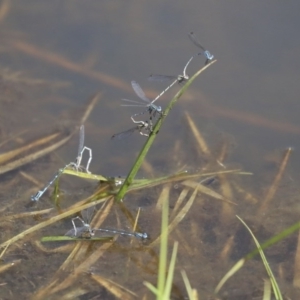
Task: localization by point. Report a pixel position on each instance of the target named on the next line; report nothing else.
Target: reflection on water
(54, 57)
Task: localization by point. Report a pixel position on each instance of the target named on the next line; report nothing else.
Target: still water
(56, 55)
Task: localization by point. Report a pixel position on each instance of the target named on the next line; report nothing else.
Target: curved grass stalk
(259, 249)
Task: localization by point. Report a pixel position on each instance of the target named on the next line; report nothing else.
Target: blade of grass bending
(275, 239)
(283, 234)
(229, 274)
(275, 286)
(119, 291)
(151, 287)
(152, 136)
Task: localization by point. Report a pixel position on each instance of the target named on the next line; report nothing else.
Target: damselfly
(75, 165)
(151, 107)
(209, 57)
(176, 78)
(85, 231)
(143, 127)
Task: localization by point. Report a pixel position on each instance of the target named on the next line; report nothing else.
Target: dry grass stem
(185, 245)
(136, 219)
(223, 154)
(4, 9)
(82, 268)
(33, 156)
(65, 63)
(179, 201)
(205, 190)
(5, 157)
(7, 266)
(165, 193)
(273, 188)
(203, 148)
(62, 249)
(181, 214)
(91, 104)
(226, 251)
(248, 197)
(26, 214)
(148, 168)
(102, 213)
(114, 288)
(13, 137)
(75, 293)
(227, 210)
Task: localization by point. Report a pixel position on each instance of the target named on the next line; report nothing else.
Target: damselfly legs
(81, 149)
(85, 230)
(143, 127)
(76, 165)
(209, 57)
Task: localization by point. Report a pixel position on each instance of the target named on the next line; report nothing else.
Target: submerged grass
(275, 286)
(240, 263)
(164, 283)
(164, 277)
(83, 256)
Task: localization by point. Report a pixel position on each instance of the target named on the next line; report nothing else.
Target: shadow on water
(72, 69)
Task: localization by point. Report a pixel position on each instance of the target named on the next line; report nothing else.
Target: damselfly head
(158, 109)
(208, 55)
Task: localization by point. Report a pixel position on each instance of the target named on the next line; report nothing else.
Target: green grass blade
(151, 138)
(187, 284)
(267, 290)
(283, 234)
(84, 175)
(168, 287)
(152, 288)
(229, 274)
(275, 286)
(163, 254)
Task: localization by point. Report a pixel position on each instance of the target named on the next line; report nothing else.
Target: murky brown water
(54, 56)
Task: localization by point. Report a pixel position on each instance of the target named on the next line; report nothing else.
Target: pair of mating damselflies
(145, 127)
(85, 231)
(76, 165)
